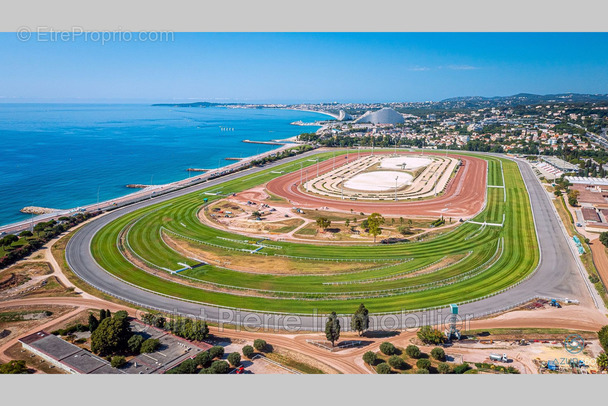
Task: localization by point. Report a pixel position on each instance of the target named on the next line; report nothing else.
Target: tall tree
(332, 328)
(323, 223)
(602, 361)
(374, 221)
(112, 335)
(604, 238)
(93, 322)
(360, 320)
(603, 336)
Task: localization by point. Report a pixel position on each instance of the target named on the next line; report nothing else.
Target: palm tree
(602, 361)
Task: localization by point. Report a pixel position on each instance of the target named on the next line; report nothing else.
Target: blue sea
(61, 155)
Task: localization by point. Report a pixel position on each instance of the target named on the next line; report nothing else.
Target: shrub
(259, 344)
(462, 368)
(430, 335)
(217, 351)
(248, 351)
(13, 367)
(219, 367)
(202, 359)
(186, 367)
(150, 345)
(413, 351)
(118, 361)
(134, 343)
(71, 329)
(603, 336)
(438, 353)
(512, 370)
(396, 362)
(444, 368)
(194, 330)
(383, 368)
(153, 319)
(423, 363)
(422, 371)
(387, 348)
(234, 359)
(370, 358)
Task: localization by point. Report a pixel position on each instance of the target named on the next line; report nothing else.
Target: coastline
(334, 116)
(73, 185)
(146, 193)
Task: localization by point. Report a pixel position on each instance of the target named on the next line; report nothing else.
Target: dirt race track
(464, 195)
(600, 259)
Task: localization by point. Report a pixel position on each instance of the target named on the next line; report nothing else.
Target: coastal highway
(556, 276)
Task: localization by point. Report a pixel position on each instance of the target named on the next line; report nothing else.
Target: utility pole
(301, 173)
(334, 162)
(342, 188)
(317, 167)
(396, 177)
(98, 197)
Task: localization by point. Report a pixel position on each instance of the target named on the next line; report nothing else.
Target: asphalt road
(556, 276)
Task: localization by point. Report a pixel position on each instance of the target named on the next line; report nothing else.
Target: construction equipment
(499, 358)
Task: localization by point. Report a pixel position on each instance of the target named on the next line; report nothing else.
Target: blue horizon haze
(302, 67)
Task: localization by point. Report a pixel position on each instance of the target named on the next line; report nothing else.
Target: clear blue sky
(280, 67)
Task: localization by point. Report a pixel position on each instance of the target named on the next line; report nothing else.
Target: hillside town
(572, 131)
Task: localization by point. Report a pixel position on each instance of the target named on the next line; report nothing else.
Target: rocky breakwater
(37, 210)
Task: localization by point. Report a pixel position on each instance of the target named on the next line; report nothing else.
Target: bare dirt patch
(21, 325)
(31, 279)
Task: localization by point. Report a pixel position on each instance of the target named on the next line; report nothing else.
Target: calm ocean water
(60, 155)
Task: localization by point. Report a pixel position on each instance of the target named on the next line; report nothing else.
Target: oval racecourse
(160, 254)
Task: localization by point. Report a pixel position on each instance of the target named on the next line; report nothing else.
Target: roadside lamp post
(301, 173)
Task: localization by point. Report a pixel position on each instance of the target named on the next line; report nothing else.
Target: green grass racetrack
(480, 259)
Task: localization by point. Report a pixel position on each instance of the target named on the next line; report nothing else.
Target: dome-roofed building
(344, 116)
(385, 115)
